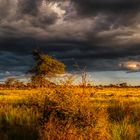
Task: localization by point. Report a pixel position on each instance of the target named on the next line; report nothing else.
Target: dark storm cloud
(83, 53)
(29, 6)
(14, 63)
(4, 12)
(92, 6)
(33, 8)
(116, 12)
(98, 34)
(20, 17)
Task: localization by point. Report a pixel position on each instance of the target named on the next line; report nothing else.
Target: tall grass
(68, 113)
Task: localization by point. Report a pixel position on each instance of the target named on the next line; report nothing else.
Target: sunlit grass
(70, 113)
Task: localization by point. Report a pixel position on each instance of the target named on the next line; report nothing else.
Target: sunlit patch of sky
(111, 77)
(94, 78)
(115, 77)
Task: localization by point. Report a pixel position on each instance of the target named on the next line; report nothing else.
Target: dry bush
(69, 115)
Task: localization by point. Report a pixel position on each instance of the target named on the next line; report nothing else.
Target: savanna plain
(70, 113)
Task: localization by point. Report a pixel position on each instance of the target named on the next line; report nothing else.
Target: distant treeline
(13, 83)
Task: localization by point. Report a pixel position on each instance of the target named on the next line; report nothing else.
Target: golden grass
(70, 113)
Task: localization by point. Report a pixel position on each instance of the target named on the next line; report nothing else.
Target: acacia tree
(45, 67)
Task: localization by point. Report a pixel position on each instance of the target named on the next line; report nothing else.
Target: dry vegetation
(70, 113)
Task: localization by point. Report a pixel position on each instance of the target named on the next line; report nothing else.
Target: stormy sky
(101, 35)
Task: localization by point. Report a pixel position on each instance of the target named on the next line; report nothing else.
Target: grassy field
(70, 113)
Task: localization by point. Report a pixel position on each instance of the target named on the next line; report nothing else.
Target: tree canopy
(45, 65)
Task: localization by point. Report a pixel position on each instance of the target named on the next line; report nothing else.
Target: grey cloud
(25, 17)
(96, 34)
(92, 6)
(11, 62)
(109, 14)
(32, 7)
(85, 54)
(29, 6)
(37, 17)
(4, 12)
